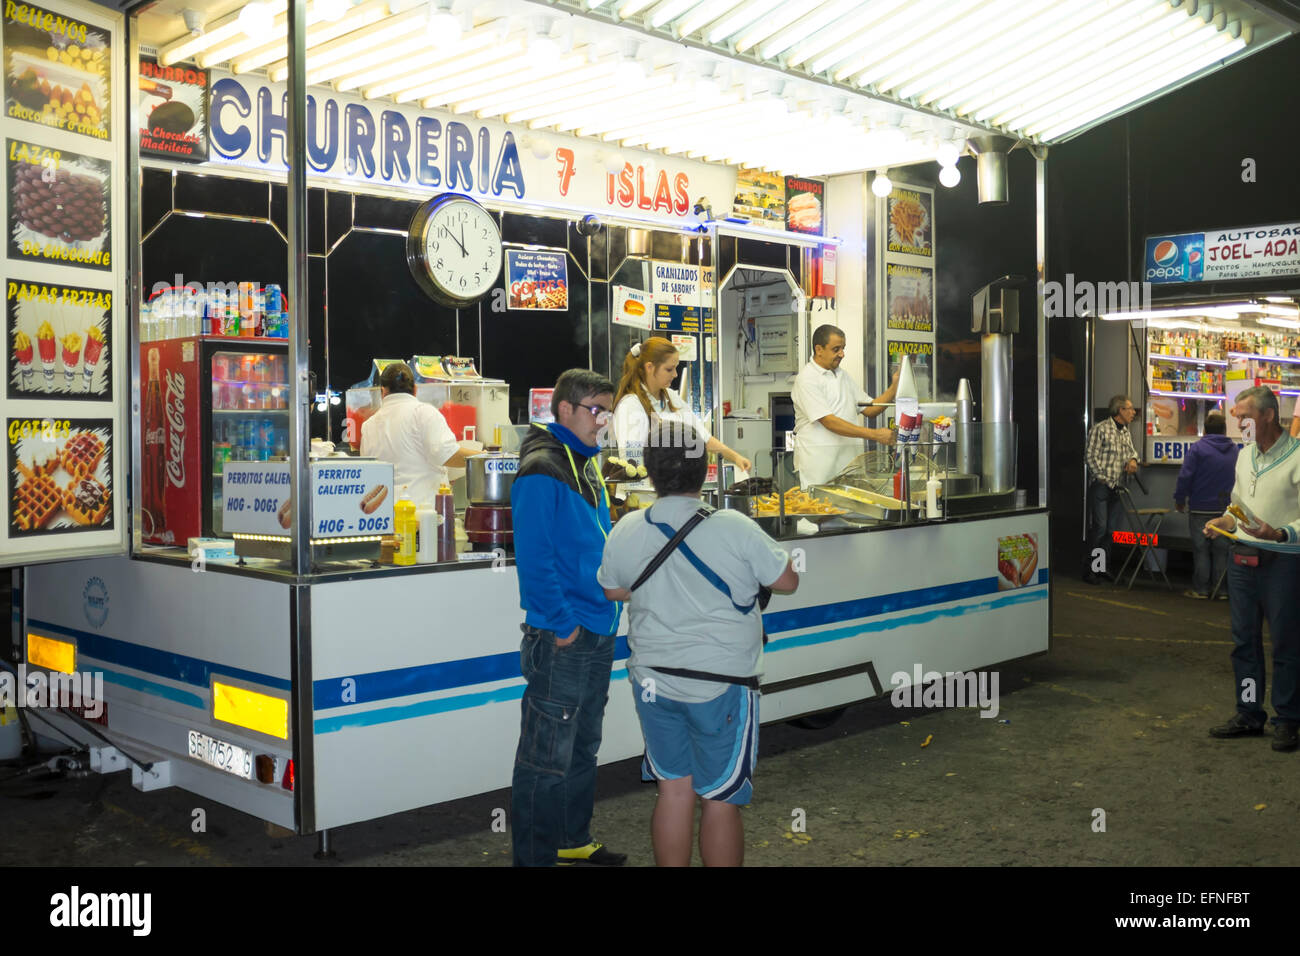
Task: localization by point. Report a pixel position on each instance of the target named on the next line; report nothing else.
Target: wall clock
(453, 248)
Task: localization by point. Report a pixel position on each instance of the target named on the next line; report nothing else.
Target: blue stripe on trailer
(178, 667)
(841, 611)
(158, 690)
(383, 715)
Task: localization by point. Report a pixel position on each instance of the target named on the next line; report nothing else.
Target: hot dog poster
(58, 71)
(58, 341)
(633, 307)
(58, 206)
(349, 498)
(1017, 561)
(173, 111)
(537, 280)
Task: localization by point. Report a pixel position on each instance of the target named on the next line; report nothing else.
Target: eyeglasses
(598, 412)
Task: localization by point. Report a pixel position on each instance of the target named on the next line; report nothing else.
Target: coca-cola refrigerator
(206, 400)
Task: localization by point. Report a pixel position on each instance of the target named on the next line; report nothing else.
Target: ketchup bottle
(445, 505)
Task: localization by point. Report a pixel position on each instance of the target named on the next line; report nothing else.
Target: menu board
(59, 337)
(173, 107)
(537, 281)
(61, 475)
(760, 198)
(58, 206)
(905, 218)
(804, 204)
(909, 295)
(62, 400)
(58, 69)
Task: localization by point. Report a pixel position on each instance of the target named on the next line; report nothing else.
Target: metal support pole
(299, 387)
(1044, 343)
(323, 849)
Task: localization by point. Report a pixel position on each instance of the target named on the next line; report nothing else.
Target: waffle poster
(911, 220)
(58, 71)
(58, 341)
(1017, 561)
(60, 475)
(58, 206)
(173, 107)
(909, 291)
(537, 281)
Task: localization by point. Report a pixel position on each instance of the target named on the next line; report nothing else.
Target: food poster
(920, 357)
(804, 203)
(760, 198)
(537, 280)
(58, 71)
(911, 219)
(58, 206)
(1017, 561)
(60, 475)
(909, 294)
(173, 111)
(632, 307)
(59, 341)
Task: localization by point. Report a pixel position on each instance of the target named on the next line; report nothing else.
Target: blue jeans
(1101, 499)
(1209, 558)
(1267, 591)
(563, 708)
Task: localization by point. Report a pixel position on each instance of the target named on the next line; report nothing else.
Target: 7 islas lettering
(632, 187)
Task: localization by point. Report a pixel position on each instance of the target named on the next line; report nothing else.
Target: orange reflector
(248, 708)
(265, 768)
(54, 655)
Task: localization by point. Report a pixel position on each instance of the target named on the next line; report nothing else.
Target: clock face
(454, 250)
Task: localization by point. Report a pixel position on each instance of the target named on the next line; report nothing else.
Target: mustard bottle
(404, 526)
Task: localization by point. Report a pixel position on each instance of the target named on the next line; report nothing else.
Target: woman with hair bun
(644, 395)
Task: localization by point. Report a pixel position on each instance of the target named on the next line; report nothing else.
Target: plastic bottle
(932, 497)
(426, 519)
(405, 527)
(445, 506)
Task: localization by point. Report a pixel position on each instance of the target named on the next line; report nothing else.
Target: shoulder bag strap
(670, 547)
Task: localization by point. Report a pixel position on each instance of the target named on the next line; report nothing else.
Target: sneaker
(1237, 726)
(1195, 594)
(593, 854)
(1285, 737)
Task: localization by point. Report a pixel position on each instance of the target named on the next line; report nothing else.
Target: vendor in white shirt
(643, 394)
(413, 436)
(826, 404)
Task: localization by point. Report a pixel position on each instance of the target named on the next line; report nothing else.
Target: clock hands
(460, 242)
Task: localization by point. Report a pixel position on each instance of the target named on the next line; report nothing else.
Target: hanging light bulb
(947, 154)
(950, 176)
(444, 27)
(881, 185)
(256, 19)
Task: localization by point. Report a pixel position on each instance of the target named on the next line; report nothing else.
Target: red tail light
(287, 782)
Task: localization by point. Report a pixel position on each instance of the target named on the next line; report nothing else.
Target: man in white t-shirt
(413, 436)
(695, 635)
(826, 404)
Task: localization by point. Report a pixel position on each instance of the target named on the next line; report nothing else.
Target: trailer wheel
(818, 721)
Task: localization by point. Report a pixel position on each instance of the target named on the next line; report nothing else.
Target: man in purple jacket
(1204, 484)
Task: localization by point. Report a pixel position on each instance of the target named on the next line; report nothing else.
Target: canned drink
(265, 439)
(274, 299)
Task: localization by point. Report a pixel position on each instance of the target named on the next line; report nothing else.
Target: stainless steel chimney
(991, 164)
(995, 312)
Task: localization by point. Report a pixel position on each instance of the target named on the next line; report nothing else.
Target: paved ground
(1113, 719)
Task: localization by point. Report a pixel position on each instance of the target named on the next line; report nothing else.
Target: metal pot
(742, 503)
(488, 477)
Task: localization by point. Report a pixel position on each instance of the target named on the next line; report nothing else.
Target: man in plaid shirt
(1110, 456)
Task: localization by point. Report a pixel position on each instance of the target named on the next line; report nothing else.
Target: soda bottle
(153, 503)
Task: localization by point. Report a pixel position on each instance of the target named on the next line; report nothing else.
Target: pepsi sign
(1178, 258)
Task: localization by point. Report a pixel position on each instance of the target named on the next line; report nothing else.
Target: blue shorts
(714, 743)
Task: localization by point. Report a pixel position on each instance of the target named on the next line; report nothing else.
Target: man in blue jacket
(560, 515)
(1204, 484)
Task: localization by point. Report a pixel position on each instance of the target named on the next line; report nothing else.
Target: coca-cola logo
(175, 412)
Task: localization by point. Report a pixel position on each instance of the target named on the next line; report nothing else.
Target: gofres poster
(537, 280)
(911, 217)
(58, 71)
(60, 473)
(173, 111)
(909, 291)
(58, 206)
(58, 341)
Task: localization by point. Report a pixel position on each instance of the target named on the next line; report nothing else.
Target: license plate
(222, 755)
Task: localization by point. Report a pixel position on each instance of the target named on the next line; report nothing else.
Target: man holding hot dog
(1262, 583)
(826, 404)
(560, 513)
(414, 436)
